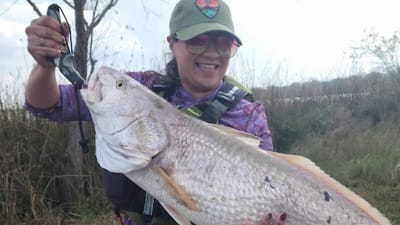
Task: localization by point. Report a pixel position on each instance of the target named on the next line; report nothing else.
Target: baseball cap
(193, 17)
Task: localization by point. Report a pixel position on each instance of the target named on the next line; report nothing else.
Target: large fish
(206, 175)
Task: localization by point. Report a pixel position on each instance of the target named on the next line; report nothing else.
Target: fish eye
(120, 84)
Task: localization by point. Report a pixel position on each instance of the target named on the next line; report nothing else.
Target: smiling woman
(299, 34)
(202, 40)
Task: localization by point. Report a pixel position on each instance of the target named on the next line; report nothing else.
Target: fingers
(46, 27)
(42, 48)
(45, 39)
(269, 220)
(43, 43)
(281, 219)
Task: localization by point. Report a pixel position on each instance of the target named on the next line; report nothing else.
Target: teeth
(207, 66)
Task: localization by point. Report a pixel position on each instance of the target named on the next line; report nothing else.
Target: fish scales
(230, 186)
(204, 174)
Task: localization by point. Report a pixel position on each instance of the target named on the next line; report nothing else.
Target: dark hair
(166, 82)
(172, 70)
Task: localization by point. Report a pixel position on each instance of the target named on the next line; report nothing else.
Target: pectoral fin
(178, 192)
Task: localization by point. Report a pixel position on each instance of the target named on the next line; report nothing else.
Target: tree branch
(69, 4)
(98, 18)
(35, 8)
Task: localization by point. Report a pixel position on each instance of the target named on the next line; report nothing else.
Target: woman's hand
(269, 220)
(45, 39)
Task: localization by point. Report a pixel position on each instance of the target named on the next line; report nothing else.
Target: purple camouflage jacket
(245, 116)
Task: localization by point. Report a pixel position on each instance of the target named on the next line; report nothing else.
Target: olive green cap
(193, 17)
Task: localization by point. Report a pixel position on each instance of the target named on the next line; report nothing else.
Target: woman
(202, 41)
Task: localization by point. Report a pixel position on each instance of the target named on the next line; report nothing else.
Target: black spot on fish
(329, 220)
(327, 197)
(268, 180)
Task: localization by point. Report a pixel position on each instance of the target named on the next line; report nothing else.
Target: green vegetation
(348, 127)
(352, 134)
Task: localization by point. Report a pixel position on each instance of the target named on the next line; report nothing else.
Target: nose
(211, 50)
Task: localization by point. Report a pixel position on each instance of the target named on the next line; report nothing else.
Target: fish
(209, 174)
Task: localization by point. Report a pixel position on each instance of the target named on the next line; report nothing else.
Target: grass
(356, 141)
(363, 158)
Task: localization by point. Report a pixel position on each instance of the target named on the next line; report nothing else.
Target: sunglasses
(225, 44)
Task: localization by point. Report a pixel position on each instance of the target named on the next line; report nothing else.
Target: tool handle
(65, 62)
(54, 11)
(68, 70)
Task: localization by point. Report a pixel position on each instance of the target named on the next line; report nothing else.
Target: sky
(284, 41)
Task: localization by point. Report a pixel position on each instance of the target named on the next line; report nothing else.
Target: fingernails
(283, 217)
(62, 49)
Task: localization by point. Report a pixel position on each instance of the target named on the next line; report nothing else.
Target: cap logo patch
(209, 8)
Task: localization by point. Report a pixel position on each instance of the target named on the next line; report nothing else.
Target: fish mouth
(93, 92)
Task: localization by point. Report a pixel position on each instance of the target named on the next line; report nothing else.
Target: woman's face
(200, 74)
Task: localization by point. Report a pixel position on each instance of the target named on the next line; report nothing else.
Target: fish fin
(243, 136)
(309, 166)
(178, 192)
(175, 215)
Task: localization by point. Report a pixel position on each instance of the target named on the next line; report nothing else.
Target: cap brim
(192, 31)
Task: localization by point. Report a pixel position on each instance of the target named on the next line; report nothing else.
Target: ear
(170, 42)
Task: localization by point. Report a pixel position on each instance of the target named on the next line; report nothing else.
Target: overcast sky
(299, 39)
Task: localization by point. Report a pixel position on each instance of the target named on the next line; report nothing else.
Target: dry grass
(355, 139)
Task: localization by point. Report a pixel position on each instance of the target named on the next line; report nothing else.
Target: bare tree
(385, 50)
(84, 35)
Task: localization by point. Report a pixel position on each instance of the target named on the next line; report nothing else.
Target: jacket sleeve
(258, 125)
(66, 108)
(251, 118)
